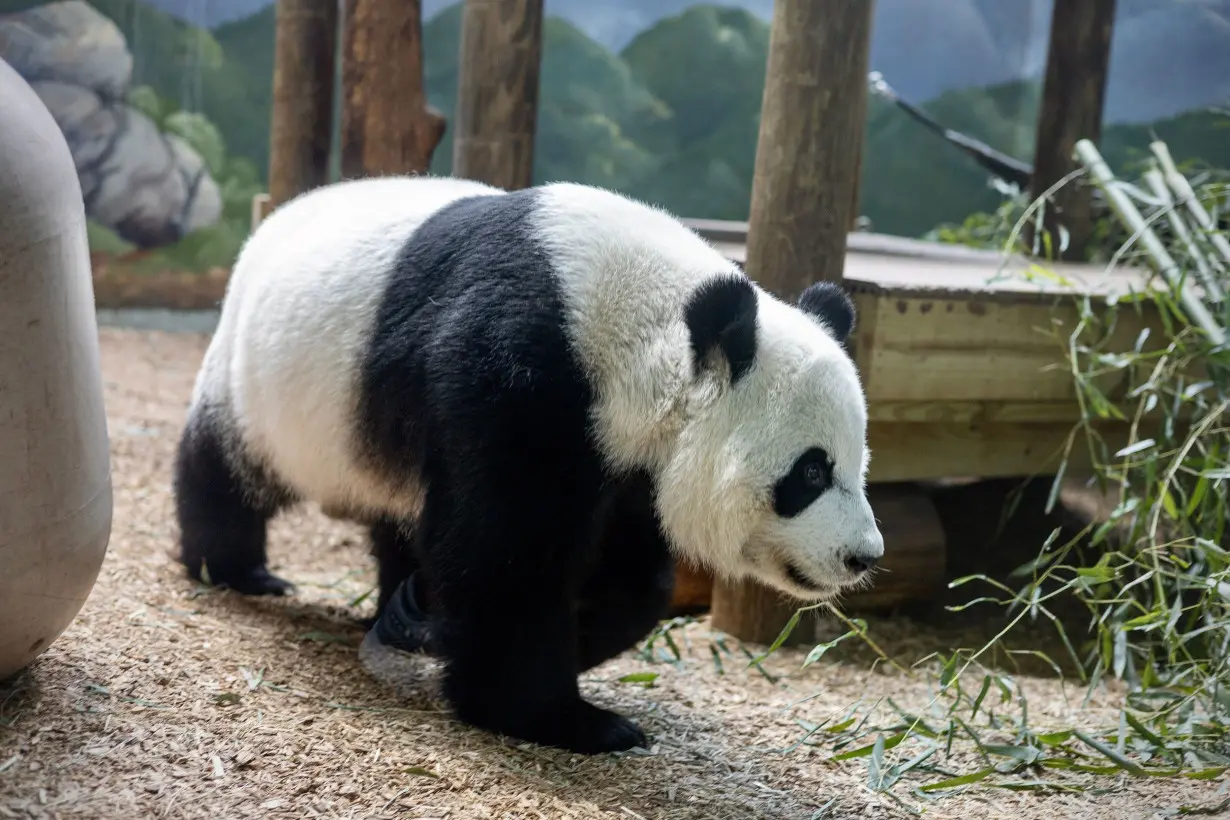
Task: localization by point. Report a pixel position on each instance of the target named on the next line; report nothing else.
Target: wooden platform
(962, 352)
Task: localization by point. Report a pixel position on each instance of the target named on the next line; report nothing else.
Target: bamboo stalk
(1127, 212)
(1157, 182)
(1183, 191)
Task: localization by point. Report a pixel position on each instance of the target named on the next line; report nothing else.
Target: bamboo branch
(1126, 210)
(1183, 191)
(1157, 182)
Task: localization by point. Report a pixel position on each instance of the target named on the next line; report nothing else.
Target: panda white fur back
(535, 398)
(298, 312)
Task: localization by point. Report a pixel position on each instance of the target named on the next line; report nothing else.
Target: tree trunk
(305, 48)
(808, 159)
(387, 126)
(804, 197)
(497, 94)
(1071, 110)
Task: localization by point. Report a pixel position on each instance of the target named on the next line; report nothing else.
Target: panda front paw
(584, 729)
(604, 731)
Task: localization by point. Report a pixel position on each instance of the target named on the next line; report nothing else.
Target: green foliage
(104, 240)
(194, 129)
(145, 99)
(982, 229)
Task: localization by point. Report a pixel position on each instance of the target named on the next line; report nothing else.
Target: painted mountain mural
(657, 98)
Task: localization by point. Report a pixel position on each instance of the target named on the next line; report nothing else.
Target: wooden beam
(304, 54)
(1010, 359)
(914, 452)
(804, 192)
(387, 126)
(1071, 109)
(812, 122)
(497, 92)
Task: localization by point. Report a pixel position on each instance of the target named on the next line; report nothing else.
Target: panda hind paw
(255, 581)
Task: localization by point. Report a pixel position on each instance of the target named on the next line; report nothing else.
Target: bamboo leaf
(1111, 755)
(1137, 447)
(963, 780)
(874, 765)
(863, 751)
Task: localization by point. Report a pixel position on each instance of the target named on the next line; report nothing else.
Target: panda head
(766, 475)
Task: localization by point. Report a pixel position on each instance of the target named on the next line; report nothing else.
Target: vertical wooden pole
(301, 123)
(1073, 93)
(497, 92)
(812, 121)
(387, 127)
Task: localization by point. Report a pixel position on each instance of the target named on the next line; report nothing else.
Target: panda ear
(721, 314)
(832, 306)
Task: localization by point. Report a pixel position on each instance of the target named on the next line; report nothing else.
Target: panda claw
(621, 735)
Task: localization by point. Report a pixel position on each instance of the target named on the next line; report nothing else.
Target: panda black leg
(505, 624)
(222, 532)
(394, 549)
(629, 590)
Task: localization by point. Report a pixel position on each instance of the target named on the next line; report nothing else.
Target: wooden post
(387, 126)
(305, 47)
(812, 122)
(1071, 109)
(497, 92)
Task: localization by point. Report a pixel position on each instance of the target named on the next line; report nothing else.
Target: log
(693, 590)
(300, 129)
(755, 613)
(387, 126)
(808, 159)
(497, 93)
(1077, 63)
(812, 122)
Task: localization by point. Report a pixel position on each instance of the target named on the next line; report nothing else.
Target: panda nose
(858, 563)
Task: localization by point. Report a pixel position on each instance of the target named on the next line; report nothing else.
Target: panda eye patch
(808, 478)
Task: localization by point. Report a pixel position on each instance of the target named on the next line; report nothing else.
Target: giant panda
(536, 400)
